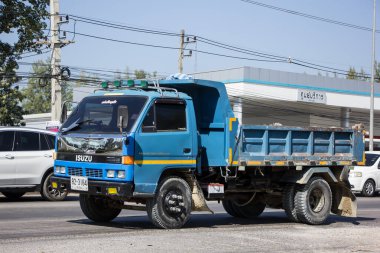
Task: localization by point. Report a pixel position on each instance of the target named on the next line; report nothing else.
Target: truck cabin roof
(210, 98)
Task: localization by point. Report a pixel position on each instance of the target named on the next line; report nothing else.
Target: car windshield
(370, 159)
(100, 114)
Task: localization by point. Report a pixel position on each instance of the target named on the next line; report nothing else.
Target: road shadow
(203, 220)
(34, 198)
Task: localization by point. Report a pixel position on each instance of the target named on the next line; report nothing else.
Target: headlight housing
(60, 169)
(121, 174)
(111, 173)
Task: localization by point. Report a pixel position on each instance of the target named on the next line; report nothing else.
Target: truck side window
(148, 124)
(171, 117)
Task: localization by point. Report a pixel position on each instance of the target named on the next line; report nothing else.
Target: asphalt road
(34, 225)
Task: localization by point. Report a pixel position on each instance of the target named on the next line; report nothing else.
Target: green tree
(377, 71)
(140, 74)
(21, 24)
(38, 92)
(351, 74)
(362, 75)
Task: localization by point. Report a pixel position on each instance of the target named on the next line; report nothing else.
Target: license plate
(79, 183)
(215, 188)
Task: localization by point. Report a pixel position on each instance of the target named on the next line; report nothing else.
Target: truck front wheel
(171, 206)
(97, 208)
(313, 201)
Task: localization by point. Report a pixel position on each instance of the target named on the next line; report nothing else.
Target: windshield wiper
(75, 125)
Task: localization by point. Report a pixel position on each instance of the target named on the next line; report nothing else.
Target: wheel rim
(54, 193)
(369, 188)
(316, 200)
(174, 204)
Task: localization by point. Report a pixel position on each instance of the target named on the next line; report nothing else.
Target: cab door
(7, 164)
(163, 141)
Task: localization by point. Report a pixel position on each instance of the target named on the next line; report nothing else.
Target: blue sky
(229, 21)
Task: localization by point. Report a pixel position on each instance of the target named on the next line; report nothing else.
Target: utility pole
(181, 49)
(183, 44)
(372, 100)
(56, 92)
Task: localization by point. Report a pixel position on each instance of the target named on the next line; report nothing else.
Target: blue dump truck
(166, 147)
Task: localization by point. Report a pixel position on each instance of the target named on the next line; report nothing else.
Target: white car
(26, 162)
(366, 179)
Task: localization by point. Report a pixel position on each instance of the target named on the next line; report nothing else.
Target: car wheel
(313, 201)
(170, 208)
(13, 195)
(48, 193)
(369, 188)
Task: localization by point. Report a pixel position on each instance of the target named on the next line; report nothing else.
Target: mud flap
(198, 200)
(344, 203)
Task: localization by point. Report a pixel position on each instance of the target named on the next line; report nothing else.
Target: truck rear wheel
(228, 206)
(313, 201)
(171, 206)
(249, 209)
(288, 202)
(97, 209)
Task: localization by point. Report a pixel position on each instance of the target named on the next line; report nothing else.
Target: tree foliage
(38, 92)
(354, 75)
(21, 25)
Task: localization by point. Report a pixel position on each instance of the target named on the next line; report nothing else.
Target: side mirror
(122, 117)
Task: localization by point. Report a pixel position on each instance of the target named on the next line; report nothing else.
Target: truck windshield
(100, 114)
(370, 159)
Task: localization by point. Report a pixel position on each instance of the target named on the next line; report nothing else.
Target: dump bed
(293, 146)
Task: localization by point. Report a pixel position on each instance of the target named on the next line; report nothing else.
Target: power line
(167, 47)
(272, 57)
(305, 15)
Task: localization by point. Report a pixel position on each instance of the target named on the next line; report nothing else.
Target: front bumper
(97, 187)
(356, 183)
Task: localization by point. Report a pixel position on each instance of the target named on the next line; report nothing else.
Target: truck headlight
(121, 174)
(60, 169)
(357, 174)
(110, 173)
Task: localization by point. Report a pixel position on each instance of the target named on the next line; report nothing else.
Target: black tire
(249, 209)
(288, 202)
(369, 188)
(97, 208)
(13, 195)
(170, 208)
(228, 206)
(313, 201)
(48, 193)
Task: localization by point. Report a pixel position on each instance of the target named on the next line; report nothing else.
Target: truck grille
(75, 171)
(94, 173)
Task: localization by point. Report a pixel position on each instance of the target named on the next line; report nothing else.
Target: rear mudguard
(344, 201)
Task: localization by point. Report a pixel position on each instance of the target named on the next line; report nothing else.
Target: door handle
(9, 156)
(47, 155)
(186, 150)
